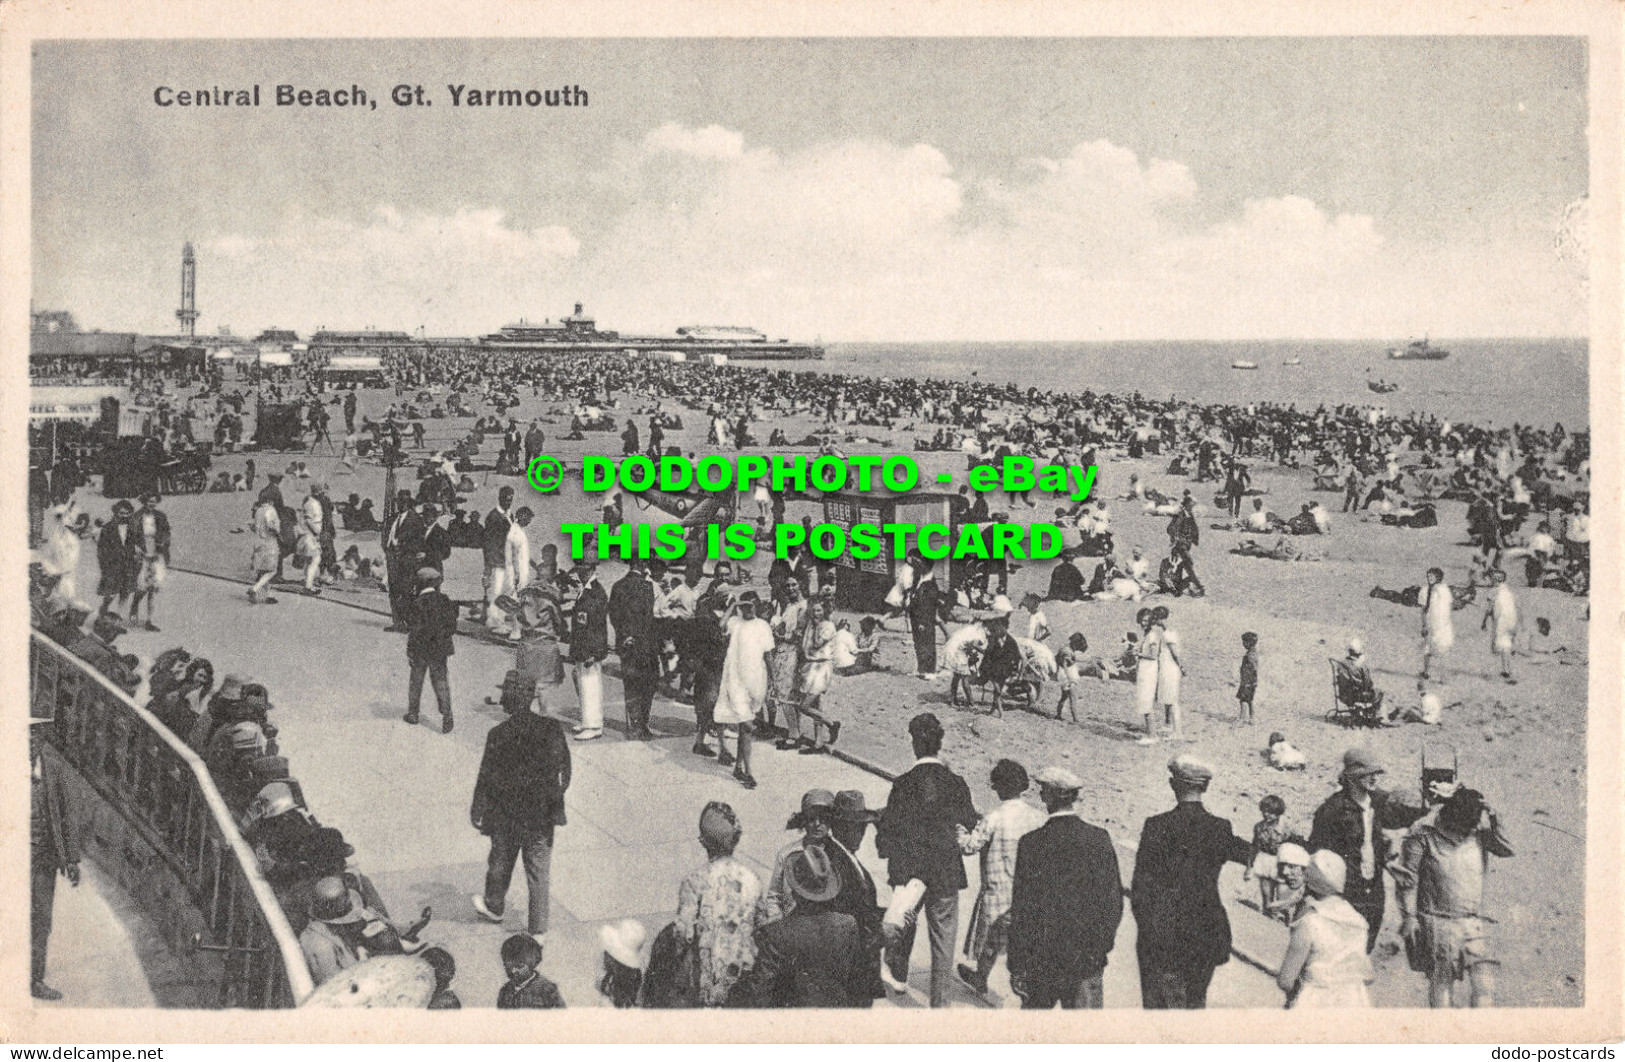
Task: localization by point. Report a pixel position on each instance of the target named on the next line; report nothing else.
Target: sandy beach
(1523, 745)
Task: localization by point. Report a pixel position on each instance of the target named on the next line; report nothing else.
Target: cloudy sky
(842, 190)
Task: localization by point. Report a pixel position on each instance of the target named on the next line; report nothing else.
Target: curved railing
(164, 791)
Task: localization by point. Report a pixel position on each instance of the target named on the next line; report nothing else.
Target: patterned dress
(996, 837)
(718, 908)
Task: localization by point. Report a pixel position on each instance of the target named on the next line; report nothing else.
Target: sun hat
(623, 942)
(1292, 855)
(1325, 873)
(1358, 761)
(813, 877)
(850, 806)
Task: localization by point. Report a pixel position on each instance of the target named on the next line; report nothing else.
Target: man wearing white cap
(1067, 903)
(1350, 822)
(1184, 933)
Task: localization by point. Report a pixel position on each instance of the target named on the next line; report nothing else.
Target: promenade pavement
(401, 795)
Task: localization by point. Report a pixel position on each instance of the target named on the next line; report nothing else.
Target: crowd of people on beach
(757, 662)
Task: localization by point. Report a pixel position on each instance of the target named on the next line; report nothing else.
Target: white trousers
(589, 680)
(496, 584)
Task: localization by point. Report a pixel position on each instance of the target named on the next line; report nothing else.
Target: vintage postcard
(716, 510)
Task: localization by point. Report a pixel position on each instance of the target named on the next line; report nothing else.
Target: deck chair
(1354, 702)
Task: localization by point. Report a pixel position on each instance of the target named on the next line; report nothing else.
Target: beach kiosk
(861, 586)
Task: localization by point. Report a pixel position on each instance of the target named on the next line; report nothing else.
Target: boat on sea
(1293, 360)
(1420, 350)
(1382, 387)
(1241, 364)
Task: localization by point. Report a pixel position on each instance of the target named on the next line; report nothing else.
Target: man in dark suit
(494, 546)
(436, 536)
(922, 618)
(403, 556)
(349, 412)
(849, 821)
(632, 611)
(1067, 902)
(1351, 822)
(518, 800)
(589, 645)
(917, 838)
(431, 624)
(813, 956)
(115, 557)
(1184, 933)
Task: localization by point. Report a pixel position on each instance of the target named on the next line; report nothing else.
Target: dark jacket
(810, 959)
(916, 835)
(494, 544)
(1340, 827)
(55, 833)
(431, 624)
(538, 993)
(923, 604)
(523, 777)
(436, 546)
(589, 626)
(403, 543)
(115, 554)
(1176, 887)
(1067, 902)
(632, 609)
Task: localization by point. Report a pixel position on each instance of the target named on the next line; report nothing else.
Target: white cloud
(712, 142)
(866, 239)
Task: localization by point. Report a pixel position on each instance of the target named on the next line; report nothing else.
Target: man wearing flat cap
(918, 837)
(1350, 822)
(431, 625)
(1066, 904)
(1184, 933)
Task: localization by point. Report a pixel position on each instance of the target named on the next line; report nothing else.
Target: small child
(1070, 674)
(1038, 628)
(1248, 684)
(868, 645)
(1268, 834)
(526, 988)
(445, 968)
(1284, 756)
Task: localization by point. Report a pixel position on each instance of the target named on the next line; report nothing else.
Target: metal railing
(164, 791)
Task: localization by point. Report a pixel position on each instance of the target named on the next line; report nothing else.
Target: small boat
(1244, 364)
(1420, 350)
(1382, 387)
(1294, 360)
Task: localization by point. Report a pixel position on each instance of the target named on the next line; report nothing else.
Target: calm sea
(1539, 381)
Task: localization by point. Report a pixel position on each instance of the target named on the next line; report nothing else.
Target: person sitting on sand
(1304, 523)
(1283, 755)
(1261, 520)
(1065, 581)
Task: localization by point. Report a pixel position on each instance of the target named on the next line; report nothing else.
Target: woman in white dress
(62, 544)
(744, 678)
(1145, 675)
(1170, 669)
(1325, 963)
(1438, 629)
